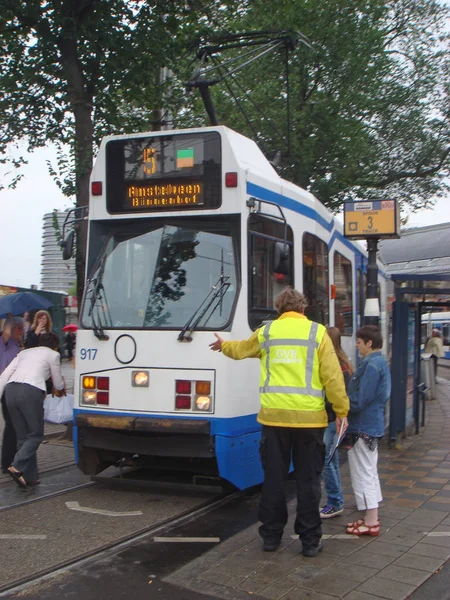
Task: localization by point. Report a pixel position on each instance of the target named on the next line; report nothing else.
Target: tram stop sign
(376, 219)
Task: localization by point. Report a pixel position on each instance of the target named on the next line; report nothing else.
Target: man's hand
(58, 393)
(339, 422)
(217, 345)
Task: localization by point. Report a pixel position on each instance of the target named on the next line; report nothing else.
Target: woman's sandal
(360, 528)
(18, 478)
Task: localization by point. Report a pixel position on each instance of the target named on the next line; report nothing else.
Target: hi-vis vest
(290, 388)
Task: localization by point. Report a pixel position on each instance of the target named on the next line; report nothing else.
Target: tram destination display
(166, 172)
(373, 219)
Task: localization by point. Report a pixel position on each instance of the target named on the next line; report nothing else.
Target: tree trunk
(81, 101)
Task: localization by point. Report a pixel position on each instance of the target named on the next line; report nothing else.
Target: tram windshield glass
(158, 278)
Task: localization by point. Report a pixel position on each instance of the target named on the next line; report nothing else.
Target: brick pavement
(414, 540)
(55, 453)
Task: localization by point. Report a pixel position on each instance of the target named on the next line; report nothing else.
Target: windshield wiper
(215, 295)
(98, 294)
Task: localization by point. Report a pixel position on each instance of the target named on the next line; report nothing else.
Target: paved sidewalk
(414, 540)
(54, 453)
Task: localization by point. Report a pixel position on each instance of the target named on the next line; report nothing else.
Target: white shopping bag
(58, 410)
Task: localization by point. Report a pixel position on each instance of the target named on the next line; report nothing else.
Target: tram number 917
(88, 353)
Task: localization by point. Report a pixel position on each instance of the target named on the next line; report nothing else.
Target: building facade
(57, 275)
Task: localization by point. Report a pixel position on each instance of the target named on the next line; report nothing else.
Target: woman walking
(368, 390)
(24, 384)
(331, 475)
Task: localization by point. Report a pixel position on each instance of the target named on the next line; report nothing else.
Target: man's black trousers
(9, 444)
(306, 449)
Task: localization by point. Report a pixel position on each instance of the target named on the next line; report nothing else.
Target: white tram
(191, 232)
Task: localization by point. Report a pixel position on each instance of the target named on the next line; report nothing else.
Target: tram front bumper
(149, 424)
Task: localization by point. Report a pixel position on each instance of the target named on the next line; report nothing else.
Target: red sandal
(359, 522)
(358, 528)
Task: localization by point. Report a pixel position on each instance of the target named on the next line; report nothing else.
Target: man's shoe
(314, 551)
(271, 546)
(329, 511)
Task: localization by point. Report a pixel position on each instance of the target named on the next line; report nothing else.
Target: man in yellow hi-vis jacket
(298, 366)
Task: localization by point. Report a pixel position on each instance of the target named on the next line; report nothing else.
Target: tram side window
(316, 278)
(264, 282)
(343, 304)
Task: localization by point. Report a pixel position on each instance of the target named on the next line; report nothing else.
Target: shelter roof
(420, 251)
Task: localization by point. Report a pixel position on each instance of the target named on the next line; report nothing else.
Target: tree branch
(417, 173)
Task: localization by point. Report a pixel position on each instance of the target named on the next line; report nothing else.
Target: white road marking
(206, 540)
(438, 533)
(21, 536)
(98, 511)
(324, 537)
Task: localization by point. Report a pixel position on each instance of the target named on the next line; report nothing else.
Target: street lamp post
(372, 306)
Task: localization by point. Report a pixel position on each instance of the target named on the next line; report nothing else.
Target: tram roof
(421, 253)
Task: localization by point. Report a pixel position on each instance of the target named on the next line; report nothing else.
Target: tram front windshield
(159, 277)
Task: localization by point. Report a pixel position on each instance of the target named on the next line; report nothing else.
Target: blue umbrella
(17, 304)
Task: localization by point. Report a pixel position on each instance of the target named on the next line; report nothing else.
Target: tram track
(48, 496)
(46, 574)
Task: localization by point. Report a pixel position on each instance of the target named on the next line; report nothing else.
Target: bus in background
(191, 232)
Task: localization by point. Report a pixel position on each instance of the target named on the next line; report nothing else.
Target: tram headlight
(203, 403)
(140, 379)
(89, 382)
(89, 397)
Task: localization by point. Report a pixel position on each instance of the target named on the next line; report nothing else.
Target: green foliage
(73, 290)
(55, 225)
(369, 102)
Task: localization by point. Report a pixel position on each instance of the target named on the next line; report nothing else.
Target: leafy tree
(369, 101)
(72, 71)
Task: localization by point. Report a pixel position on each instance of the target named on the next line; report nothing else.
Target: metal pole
(372, 307)
(207, 101)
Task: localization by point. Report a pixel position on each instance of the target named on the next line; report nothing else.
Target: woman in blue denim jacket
(368, 390)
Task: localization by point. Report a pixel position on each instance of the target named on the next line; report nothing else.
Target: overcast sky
(22, 212)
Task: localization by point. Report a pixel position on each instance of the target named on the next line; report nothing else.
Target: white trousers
(364, 475)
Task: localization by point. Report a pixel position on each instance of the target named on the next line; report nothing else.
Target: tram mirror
(281, 258)
(67, 245)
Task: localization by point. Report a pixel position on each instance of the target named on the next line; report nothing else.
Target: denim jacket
(368, 390)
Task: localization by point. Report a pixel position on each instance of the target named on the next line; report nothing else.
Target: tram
(440, 321)
(192, 232)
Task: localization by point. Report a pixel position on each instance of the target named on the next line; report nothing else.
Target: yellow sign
(170, 195)
(379, 219)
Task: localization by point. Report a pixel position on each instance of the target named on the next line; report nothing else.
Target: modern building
(57, 275)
